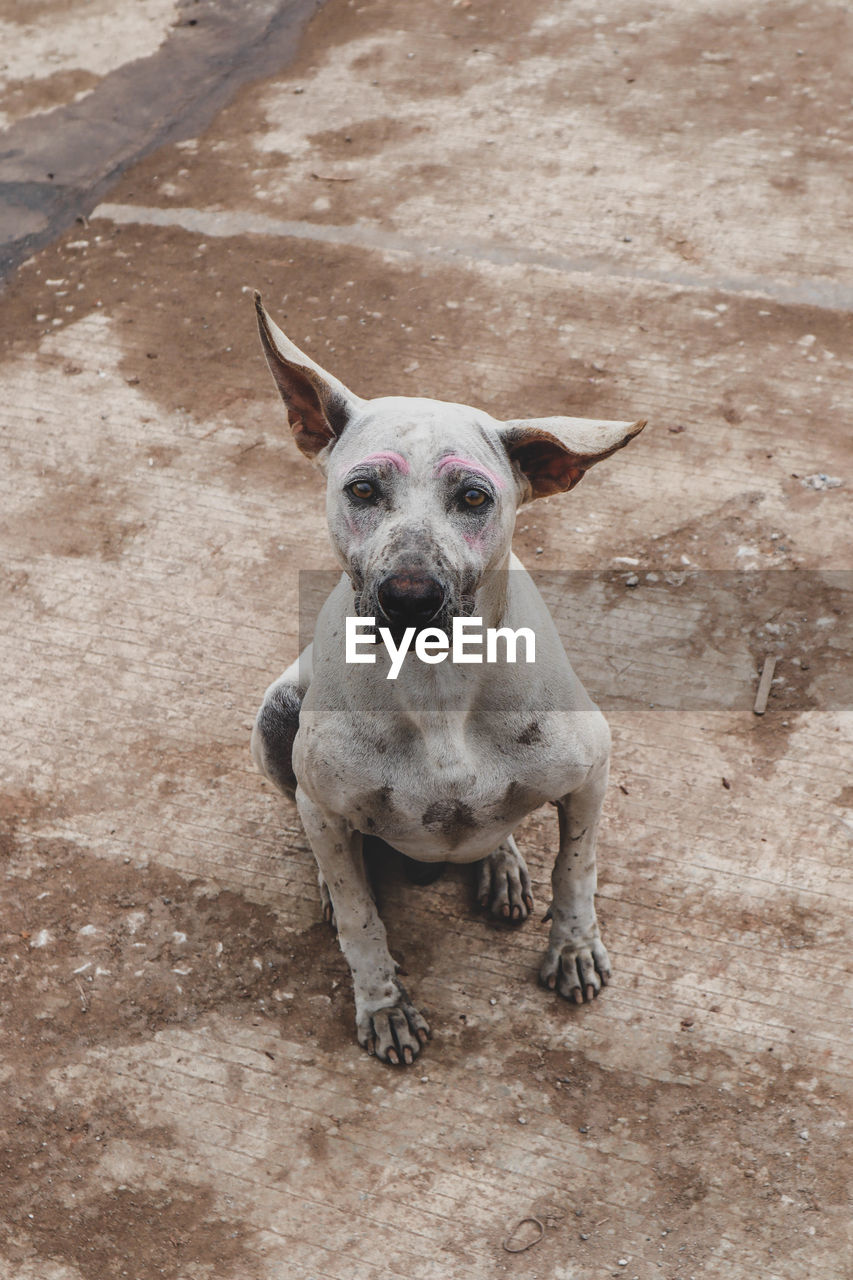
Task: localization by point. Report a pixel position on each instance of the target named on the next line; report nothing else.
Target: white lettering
(511, 637)
(354, 639)
(432, 645)
(397, 654)
(460, 639)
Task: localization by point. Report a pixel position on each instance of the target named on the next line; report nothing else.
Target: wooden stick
(764, 686)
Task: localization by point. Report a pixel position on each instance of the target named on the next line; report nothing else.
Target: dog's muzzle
(410, 598)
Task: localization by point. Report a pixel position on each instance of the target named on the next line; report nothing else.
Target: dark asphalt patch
(57, 166)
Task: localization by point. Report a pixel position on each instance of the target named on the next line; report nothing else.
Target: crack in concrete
(824, 294)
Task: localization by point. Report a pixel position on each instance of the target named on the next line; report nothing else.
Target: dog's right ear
(318, 406)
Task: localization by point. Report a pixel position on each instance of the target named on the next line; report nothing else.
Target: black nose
(410, 597)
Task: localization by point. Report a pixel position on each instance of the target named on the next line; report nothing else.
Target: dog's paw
(394, 1034)
(503, 885)
(576, 972)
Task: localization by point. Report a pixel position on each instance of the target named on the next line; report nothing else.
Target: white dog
(445, 760)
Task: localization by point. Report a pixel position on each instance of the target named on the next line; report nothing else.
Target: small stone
(821, 481)
(804, 1134)
(492, 1000)
(632, 580)
(522, 1120)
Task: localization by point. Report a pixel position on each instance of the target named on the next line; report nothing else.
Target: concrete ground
(610, 210)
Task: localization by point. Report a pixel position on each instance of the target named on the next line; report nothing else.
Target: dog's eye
(475, 497)
(362, 489)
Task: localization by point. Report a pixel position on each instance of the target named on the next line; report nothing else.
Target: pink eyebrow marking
(453, 460)
(391, 459)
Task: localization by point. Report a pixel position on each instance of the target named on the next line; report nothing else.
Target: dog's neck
(490, 601)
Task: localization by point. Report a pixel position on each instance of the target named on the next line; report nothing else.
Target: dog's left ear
(553, 454)
(318, 406)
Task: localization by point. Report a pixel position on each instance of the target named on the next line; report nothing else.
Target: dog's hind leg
(273, 734)
(503, 883)
(277, 723)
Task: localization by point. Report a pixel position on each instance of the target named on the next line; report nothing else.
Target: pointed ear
(318, 406)
(553, 454)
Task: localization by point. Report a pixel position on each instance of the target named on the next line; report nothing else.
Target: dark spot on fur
(530, 735)
(278, 723)
(378, 802)
(519, 799)
(452, 818)
(337, 413)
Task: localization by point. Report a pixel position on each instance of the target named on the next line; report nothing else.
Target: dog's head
(422, 495)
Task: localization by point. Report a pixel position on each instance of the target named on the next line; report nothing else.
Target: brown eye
(362, 489)
(474, 497)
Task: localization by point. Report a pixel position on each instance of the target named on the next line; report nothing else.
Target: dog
(443, 762)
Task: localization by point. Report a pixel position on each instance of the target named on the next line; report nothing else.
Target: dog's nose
(413, 598)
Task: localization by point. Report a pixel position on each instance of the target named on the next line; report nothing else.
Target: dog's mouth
(397, 628)
(442, 621)
(413, 598)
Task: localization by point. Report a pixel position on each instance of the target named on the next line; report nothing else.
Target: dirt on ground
(536, 208)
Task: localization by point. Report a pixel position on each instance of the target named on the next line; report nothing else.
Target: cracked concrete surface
(86, 89)
(617, 211)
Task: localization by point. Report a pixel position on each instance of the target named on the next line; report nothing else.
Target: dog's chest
(450, 816)
(434, 793)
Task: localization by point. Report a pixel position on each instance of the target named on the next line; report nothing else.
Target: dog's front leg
(576, 963)
(387, 1023)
